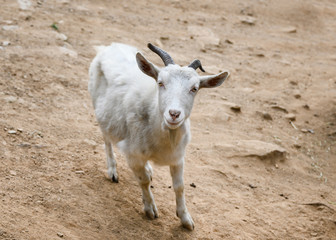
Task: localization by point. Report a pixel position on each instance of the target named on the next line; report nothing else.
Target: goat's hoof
(112, 174)
(115, 179)
(151, 211)
(187, 222)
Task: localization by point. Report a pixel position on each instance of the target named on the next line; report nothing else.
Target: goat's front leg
(143, 174)
(176, 172)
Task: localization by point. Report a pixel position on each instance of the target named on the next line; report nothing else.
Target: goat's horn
(163, 54)
(196, 64)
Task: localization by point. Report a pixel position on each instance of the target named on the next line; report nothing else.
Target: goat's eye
(161, 84)
(194, 89)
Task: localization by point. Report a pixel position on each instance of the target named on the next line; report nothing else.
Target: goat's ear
(213, 80)
(147, 67)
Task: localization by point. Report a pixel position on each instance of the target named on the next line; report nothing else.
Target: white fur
(133, 111)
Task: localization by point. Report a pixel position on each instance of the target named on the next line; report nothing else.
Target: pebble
(12, 132)
(68, 52)
(297, 94)
(193, 185)
(233, 106)
(158, 43)
(61, 36)
(60, 234)
(296, 145)
(304, 130)
(293, 82)
(10, 27)
(265, 115)
(277, 107)
(290, 116)
(24, 144)
(10, 99)
(306, 106)
(252, 186)
(13, 173)
(90, 142)
(248, 20)
(164, 38)
(6, 43)
(24, 4)
(289, 29)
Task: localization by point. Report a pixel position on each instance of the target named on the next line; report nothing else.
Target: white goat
(147, 119)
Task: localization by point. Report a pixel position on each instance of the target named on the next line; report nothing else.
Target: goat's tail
(97, 82)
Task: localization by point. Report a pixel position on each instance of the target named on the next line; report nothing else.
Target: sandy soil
(262, 157)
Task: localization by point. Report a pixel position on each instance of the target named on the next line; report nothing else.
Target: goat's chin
(172, 125)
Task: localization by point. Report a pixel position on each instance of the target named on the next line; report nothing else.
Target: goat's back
(119, 90)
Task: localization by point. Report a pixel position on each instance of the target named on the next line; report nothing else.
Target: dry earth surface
(263, 153)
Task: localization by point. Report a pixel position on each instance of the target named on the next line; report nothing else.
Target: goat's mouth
(173, 124)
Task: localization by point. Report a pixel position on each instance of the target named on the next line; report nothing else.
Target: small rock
(61, 36)
(79, 172)
(277, 107)
(306, 106)
(10, 99)
(283, 195)
(12, 132)
(60, 234)
(252, 186)
(159, 43)
(13, 173)
(304, 130)
(233, 106)
(164, 38)
(296, 145)
(68, 52)
(10, 27)
(24, 4)
(248, 20)
(252, 148)
(290, 116)
(313, 234)
(24, 145)
(293, 82)
(193, 185)
(228, 41)
(265, 115)
(6, 43)
(289, 29)
(90, 142)
(204, 36)
(297, 94)
(259, 55)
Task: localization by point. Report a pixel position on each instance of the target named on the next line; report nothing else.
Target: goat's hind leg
(111, 162)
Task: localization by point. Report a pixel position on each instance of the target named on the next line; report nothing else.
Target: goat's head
(177, 85)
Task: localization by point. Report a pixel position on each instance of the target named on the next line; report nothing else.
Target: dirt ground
(263, 153)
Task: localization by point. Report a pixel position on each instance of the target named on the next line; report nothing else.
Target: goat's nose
(174, 114)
